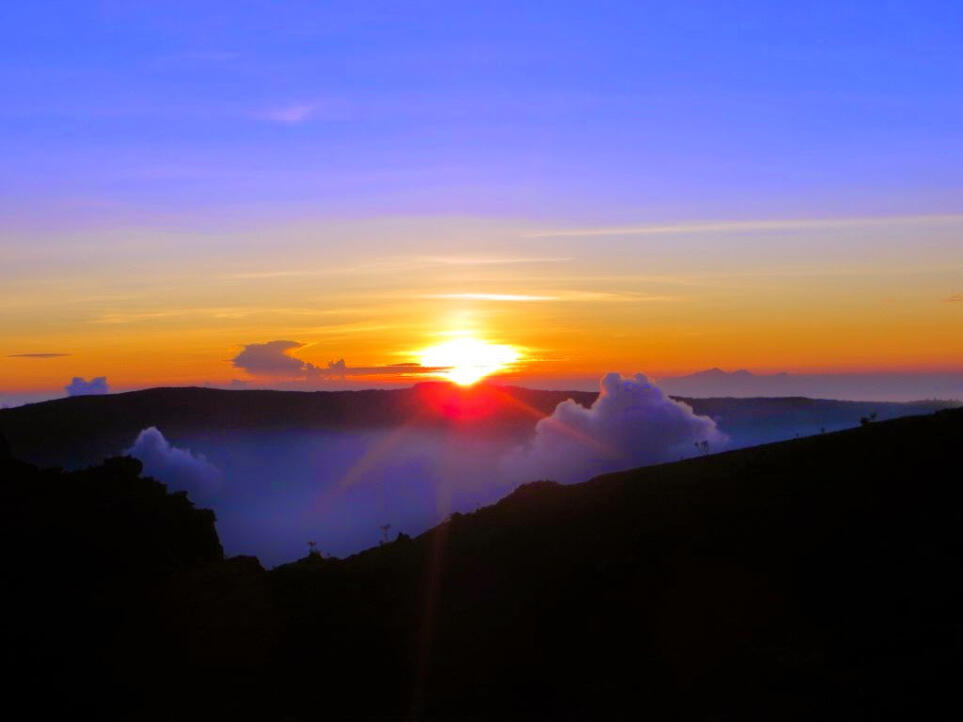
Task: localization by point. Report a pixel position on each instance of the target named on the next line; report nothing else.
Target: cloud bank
(632, 423)
(80, 387)
(179, 468)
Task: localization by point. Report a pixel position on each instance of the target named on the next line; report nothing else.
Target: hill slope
(810, 579)
(807, 579)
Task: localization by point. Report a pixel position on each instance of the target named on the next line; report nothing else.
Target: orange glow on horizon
(469, 360)
(504, 303)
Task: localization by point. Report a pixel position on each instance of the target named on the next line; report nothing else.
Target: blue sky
(568, 112)
(630, 186)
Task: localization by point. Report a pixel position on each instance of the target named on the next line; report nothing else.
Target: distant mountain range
(850, 386)
(76, 431)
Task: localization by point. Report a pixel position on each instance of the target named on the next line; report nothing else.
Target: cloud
(570, 296)
(340, 369)
(632, 423)
(743, 226)
(493, 260)
(200, 56)
(394, 265)
(291, 114)
(273, 359)
(490, 297)
(80, 387)
(955, 298)
(179, 468)
(37, 355)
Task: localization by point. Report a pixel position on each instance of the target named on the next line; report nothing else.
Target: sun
(467, 360)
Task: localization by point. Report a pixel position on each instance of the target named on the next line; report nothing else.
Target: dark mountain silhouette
(78, 431)
(85, 557)
(717, 374)
(810, 579)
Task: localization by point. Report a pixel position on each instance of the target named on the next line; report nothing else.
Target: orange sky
(151, 306)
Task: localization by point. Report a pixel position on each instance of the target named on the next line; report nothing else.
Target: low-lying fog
(276, 491)
(273, 492)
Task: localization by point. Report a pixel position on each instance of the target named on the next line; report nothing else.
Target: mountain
(810, 579)
(717, 374)
(887, 386)
(82, 430)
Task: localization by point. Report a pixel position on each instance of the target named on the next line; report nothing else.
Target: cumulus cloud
(632, 423)
(273, 359)
(80, 387)
(179, 468)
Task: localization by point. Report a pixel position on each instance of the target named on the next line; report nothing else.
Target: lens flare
(467, 360)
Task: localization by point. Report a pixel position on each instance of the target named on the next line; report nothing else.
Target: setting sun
(467, 360)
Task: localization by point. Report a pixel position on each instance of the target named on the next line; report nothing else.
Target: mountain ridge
(80, 430)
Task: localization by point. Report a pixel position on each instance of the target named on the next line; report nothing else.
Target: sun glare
(467, 360)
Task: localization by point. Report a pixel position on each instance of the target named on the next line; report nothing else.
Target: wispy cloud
(748, 226)
(136, 317)
(955, 298)
(216, 312)
(493, 260)
(393, 264)
(215, 57)
(490, 297)
(37, 355)
(290, 114)
(576, 296)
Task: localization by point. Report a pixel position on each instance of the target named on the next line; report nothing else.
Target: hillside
(77, 431)
(810, 579)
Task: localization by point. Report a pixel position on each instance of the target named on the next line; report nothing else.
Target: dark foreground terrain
(810, 579)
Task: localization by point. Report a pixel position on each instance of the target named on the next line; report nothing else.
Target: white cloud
(179, 468)
(632, 423)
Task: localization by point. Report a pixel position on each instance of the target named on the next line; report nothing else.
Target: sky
(604, 186)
